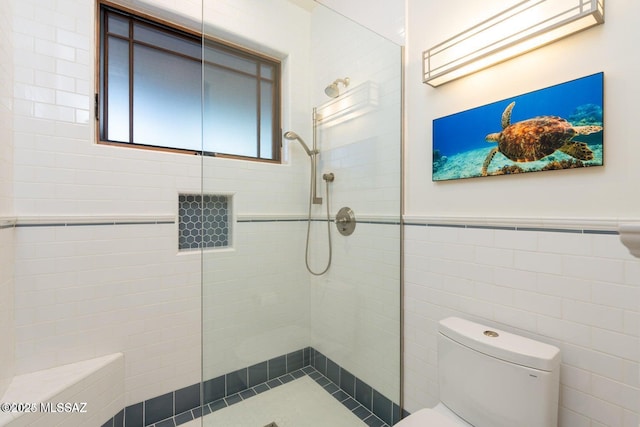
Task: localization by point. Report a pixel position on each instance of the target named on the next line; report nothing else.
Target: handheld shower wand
(292, 136)
(313, 156)
(313, 198)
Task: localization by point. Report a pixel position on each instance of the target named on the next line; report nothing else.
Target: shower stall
(267, 321)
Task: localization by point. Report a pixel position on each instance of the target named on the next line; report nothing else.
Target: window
(162, 87)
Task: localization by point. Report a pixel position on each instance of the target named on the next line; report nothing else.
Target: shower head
(291, 136)
(333, 91)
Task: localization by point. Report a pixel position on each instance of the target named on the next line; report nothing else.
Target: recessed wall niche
(203, 221)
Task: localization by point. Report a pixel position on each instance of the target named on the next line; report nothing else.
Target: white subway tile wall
(6, 308)
(578, 291)
(255, 297)
(6, 196)
(355, 314)
(82, 291)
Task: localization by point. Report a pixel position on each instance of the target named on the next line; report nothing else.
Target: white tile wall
(355, 309)
(577, 291)
(6, 108)
(6, 197)
(84, 291)
(364, 152)
(386, 17)
(256, 297)
(7, 313)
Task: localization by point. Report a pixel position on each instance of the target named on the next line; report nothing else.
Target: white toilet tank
(491, 378)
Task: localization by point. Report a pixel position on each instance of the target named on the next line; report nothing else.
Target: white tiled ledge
(97, 382)
(92, 219)
(578, 224)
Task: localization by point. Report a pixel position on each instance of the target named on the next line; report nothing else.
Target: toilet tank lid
(505, 346)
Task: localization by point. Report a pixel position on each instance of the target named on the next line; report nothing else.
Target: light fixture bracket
(521, 28)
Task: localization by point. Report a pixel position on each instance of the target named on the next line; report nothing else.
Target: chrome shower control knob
(345, 221)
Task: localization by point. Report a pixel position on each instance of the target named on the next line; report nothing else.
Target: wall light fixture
(523, 27)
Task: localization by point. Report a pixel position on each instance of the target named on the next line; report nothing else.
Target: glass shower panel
(279, 344)
(355, 307)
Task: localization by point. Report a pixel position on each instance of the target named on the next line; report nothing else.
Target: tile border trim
(362, 219)
(93, 220)
(107, 220)
(7, 222)
(556, 225)
(197, 400)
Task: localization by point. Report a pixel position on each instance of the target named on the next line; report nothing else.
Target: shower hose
(306, 253)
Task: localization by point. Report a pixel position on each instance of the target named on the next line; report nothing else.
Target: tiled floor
(299, 403)
(302, 402)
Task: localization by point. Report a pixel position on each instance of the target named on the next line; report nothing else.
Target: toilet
(491, 378)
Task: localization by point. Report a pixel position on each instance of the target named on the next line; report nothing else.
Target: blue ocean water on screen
(467, 130)
(578, 100)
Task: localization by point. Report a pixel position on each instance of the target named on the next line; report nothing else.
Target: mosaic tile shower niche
(203, 221)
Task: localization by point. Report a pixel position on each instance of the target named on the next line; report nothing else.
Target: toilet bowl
(491, 378)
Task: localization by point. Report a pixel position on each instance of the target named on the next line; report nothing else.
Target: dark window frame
(134, 17)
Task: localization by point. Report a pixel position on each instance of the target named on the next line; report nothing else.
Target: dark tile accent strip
(258, 373)
(213, 389)
(615, 233)
(187, 398)
(82, 224)
(382, 407)
(158, 408)
(200, 399)
(277, 367)
(408, 224)
(552, 230)
(490, 227)
(364, 394)
(415, 224)
(447, 225)
(333, 371)
(184, 418)
(379, 222)
(133, 415)
(169, 422)
(237, 381)
(348, 382)
(274, 220)
(118, 420)
(295, 360)
(514, 228)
